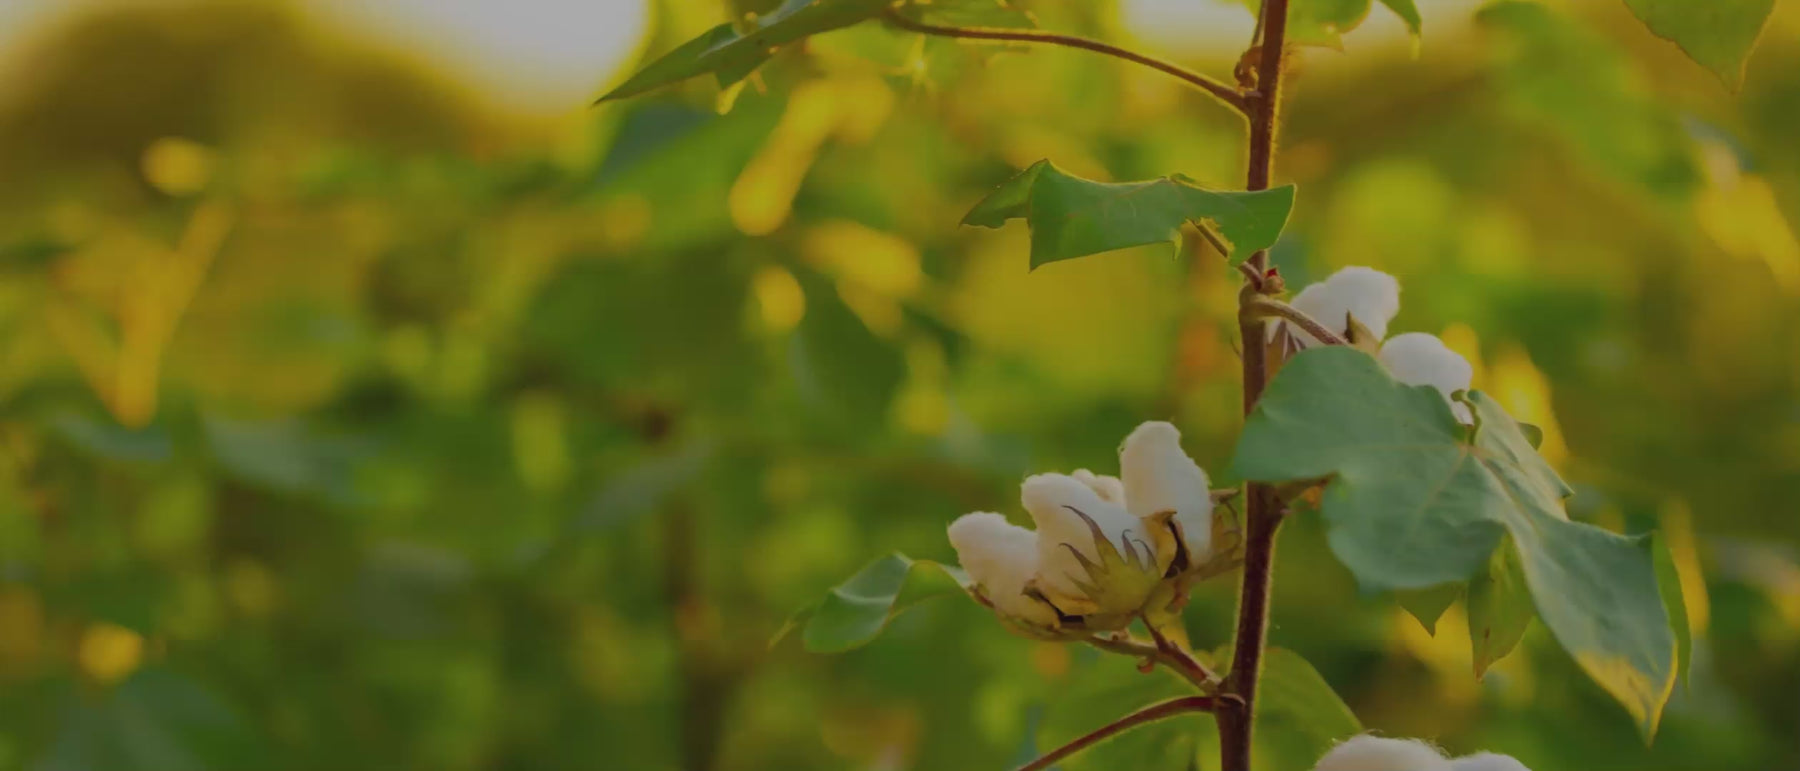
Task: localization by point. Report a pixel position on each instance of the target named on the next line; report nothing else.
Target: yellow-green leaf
(1416, 499)
(1718, 34)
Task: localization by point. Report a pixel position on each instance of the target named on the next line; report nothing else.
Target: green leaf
(1408, 12)
(1668, 583)
(1417, 499)
(1298, 715)
(1716, 33)
(1499, 608)
(856, 611)
(1073, 217)
(1428, 605)
(732, 56)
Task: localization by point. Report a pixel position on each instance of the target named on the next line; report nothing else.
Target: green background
(344, 423)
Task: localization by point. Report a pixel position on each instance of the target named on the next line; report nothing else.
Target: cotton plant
(1418, 501)
(1103, 545)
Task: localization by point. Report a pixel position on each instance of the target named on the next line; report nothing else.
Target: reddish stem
(1263, 507)
(1150, 714)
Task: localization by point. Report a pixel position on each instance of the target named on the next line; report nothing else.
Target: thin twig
(1150, 714)
(1271, 307)
(1190, 670)
(1181, 657)
(1218, 90)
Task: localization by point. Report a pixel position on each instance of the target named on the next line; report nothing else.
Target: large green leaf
(1499, 608)
(1416, 499)
(1073, 217)
(856, 611)
(731, 55)
(1298, 715)
(1428, 605)
(1716, 33)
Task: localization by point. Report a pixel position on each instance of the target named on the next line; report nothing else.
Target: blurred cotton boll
(1159, 477)
(1417, 358)
(1002, 558)
(1378, 753)
(1487, 761)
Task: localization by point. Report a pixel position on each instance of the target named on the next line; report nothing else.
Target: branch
(1271, 307)
(1218, 90)
(1150, 714)
(1175, 659)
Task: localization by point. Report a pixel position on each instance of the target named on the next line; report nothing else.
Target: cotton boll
(1159, 476)
(1377, 753)
(1001, 557)
(1416, 358)
(1370, 295)
(1110, 489)
(1057, 503)
(1487, 761)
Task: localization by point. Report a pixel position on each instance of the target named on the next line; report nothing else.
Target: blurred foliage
(345, 424)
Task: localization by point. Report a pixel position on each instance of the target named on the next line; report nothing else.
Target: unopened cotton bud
(1071, 519)
(1370, 295)
(1378, 753)
(1109, 488)
(1417, 358)
(1487, 761)
(1159, 477)
(1001, 557)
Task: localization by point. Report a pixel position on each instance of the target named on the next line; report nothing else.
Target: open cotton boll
(1416, 358)
(1110, 489)
(1487, 761)
(1001, 557)
(1058, 503)
(1379, 753)
(1370, 295)
(1158, 477)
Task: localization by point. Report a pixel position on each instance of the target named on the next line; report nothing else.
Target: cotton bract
(1366, 752)
(1102, 544)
